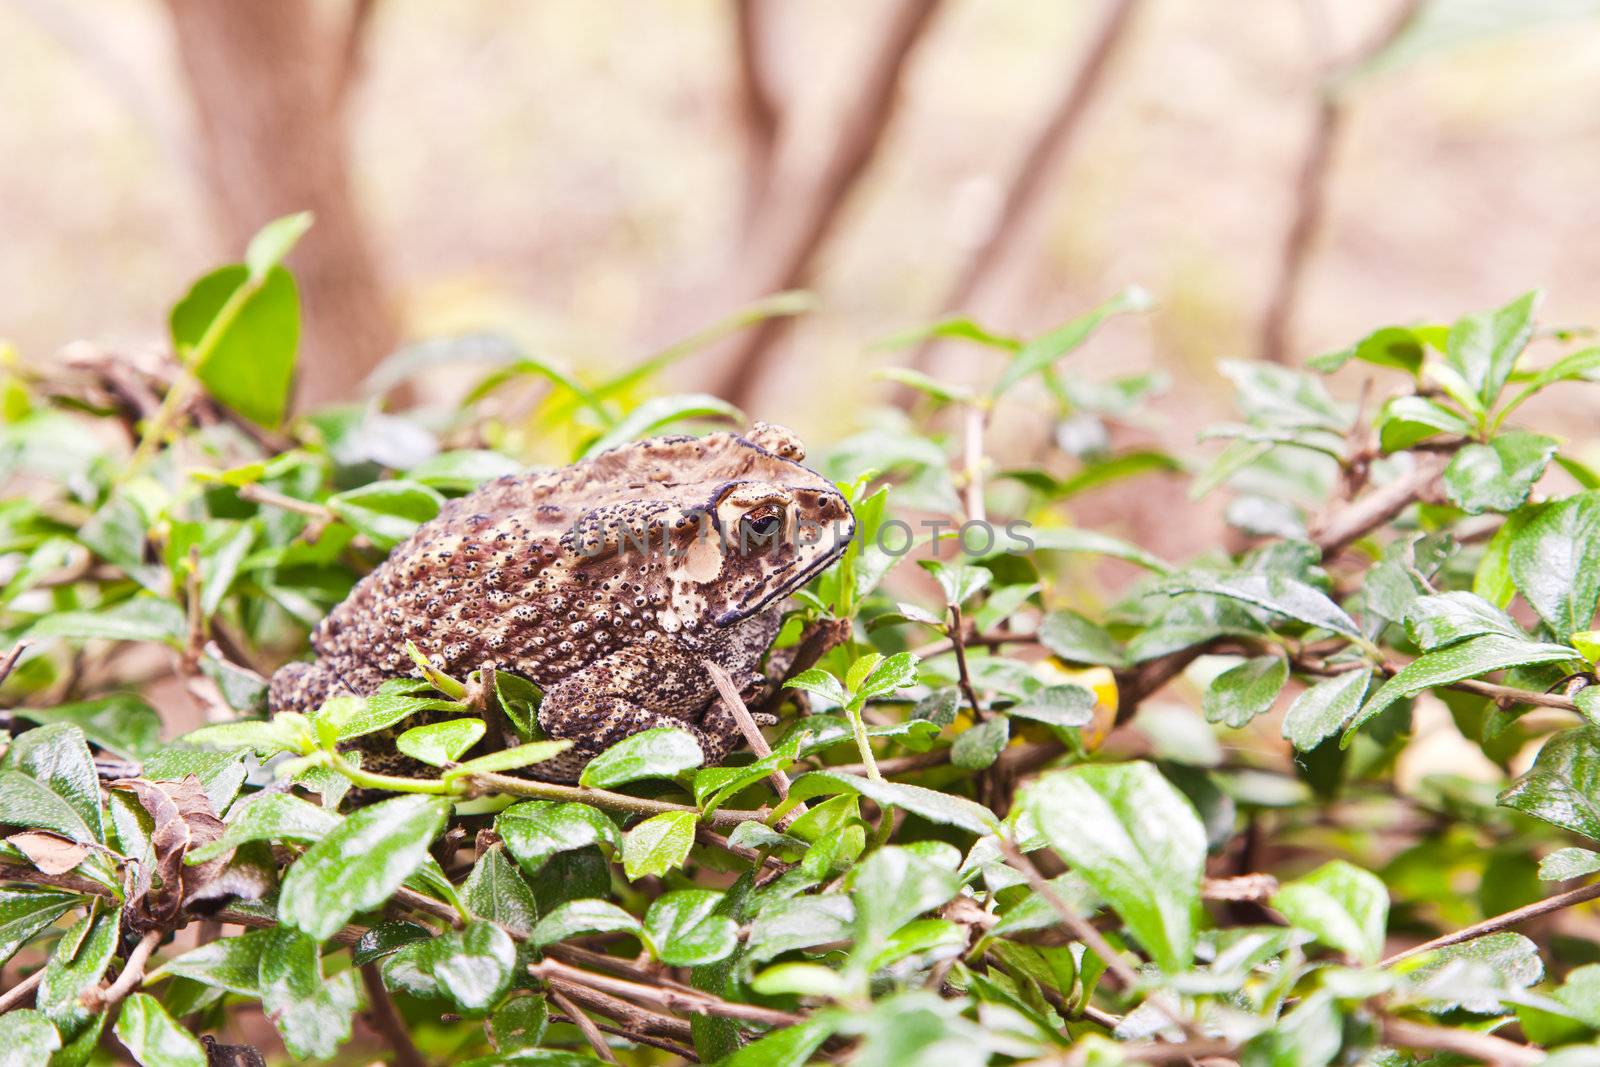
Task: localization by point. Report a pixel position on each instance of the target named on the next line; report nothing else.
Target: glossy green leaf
(387, 512)
(312, 1011)
(360, 863)
(1276, 592)
(799, 922)
(240, 334)
(979, 746)
(57, 758)
(153, 1038)
(1466, 659)
(688, 928)
(139, 618)
(1407, 420)
(470, 967)
(1136, 840)
(497, 891)
(1434, 622)
(535, 830)
(658, 844)
(76, 966)
(659, 412)
(931, 804)
(27, 910)
(1239, 694)
(1563, 785)
(273, 242)
(1565, 863)
(1483, 347)
(577, 917)
(1341, 905)
(27, 1038)
(441, 742)
(231, 963)
(1092, 542)
(893, 886)
(1498, 476)
(1324, 709)
(267, 817)
(122, 723)
(660, 753)
(1555, 562)
(1042, 352)
(395, 701)
(1078, 640)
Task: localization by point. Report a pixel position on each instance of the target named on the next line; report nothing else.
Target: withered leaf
(183, 820)
(51, 853)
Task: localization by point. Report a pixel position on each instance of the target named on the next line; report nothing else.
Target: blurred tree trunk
(267, 82)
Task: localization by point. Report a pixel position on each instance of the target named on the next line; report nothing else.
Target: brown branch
(386, 1019)
(352, 49)
(1336, 532)
(747, 723)
(673, 999)
(591, 1032)
(1505, 921)
(1031, 178)
(1480, 1048)
(1311, 189)
(817, 214)
(20, 992)
(132, 973)
(633, 1019)
(759, 116)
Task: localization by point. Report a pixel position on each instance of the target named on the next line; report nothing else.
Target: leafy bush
(1012, 819)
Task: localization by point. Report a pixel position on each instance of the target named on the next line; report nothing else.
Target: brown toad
(607, 584)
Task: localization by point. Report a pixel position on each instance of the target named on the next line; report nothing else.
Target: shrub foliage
(1295, 799)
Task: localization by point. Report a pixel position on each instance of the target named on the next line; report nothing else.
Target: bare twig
(20, 992)
(1031, 178)
(604, 798)
(387, 1021)
(1480, 1048)
(1378, 506)
(352, 49)
(757, 105)
(132, 972)
(1505, 921)
(10, 662)
(1311, 183)
(672, 998)
(747, 723)
(814, 217)
(591, 1032)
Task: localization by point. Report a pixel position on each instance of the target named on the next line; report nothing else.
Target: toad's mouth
(747, 608)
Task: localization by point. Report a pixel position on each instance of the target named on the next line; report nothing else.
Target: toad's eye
(762, 526)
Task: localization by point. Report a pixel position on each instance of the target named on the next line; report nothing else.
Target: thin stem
(603, 798)
(591, 1032)
(21, 991)
(1483, 1048)
(747, 723)
(1503, 921)
(389, 783)
(386, 1019)
(958, 645)
(132, 972)
(858, 728)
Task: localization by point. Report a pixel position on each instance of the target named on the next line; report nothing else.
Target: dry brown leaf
(51, 853)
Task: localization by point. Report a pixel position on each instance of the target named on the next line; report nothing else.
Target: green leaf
(535, 830)
(1434, 622)
(1466, 659)
(1555, 562)
(311, 1011)
(519, 1025)
(121, 723)
(821, 683)
(958, 328)
(27, 1038)
(663, 752)
(577, 917)
(1563, 785)
(1400, 347)
(792, 1046)
(1239, 694)
(284, 732)
(1066, 706)
(659, 412)
(1575, 366)
(273, 242)
(1321, 711)
(28, 804)
(895, 672)
(893, 886)
(944, 808)
(799, 922)
(1277, 592)
(1078, 640)
(1469, 974)
(230, 963)
(508, 759)
(57, 757)
(267, 817)
(1138, 843)
(1498, 476)
(496, 891)
(1270, 395)
(978, 747)
(470, 967)
(239, 335)
(139, 618)
(387, 512)
(1042, 352)
(520, 700)
(658, 844)
(439, 743)
(1565, 863)
(359, 864)
(152, 1037)
(395, 701)
(76, 966)
(689, 928)
(1408, 420)
(25, 911)
(1483, 347)
(462, 470)
(1341, 905)
(1061, 539)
